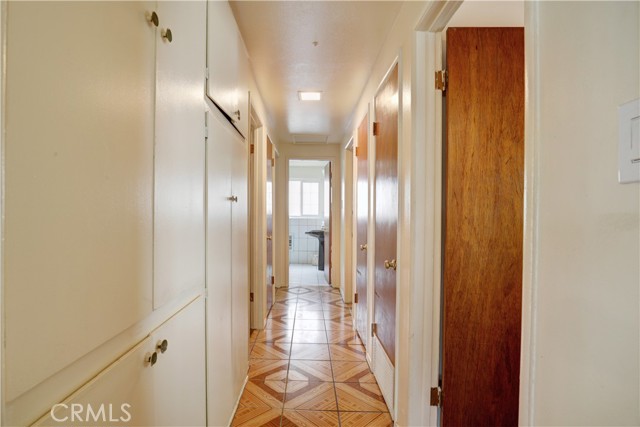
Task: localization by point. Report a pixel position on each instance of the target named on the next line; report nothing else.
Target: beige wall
(582, 269)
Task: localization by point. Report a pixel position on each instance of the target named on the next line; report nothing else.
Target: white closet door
(179, 381)
(240, 263)
(222, 56)
(179, 150)
(220, 376)
(78, 181)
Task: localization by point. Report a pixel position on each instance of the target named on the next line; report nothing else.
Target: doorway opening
(309, 223)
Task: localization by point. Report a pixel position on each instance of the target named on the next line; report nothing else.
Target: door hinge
(251, 297)
(356, 151)
(355, 298)
(206, 132)
(252, 148)
(441, 80)
(436, 396)
(206, 73)
(273, 280)
(376, 128)
(273, 162)
(374, 329)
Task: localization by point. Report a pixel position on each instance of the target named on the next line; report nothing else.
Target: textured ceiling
(280, 37)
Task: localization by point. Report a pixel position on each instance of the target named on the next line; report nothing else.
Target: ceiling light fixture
(309, 96)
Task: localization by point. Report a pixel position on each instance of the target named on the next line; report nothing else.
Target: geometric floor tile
(256, 417)
(342, 337)
(310, 396)
(368, 419)
(310, 370)
(353, 353)
(268, 394)
(275, 335)
(308, 367)
(309, 352)
(268, 350)
(310, 418)
(309, 337)
(268, 369)
(357, 397)
(352, 372)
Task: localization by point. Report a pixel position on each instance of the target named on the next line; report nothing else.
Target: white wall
(582, 270)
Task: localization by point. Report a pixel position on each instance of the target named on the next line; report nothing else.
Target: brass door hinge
(376, 128)
(273, 280)
(251, 297)
(252, 148)
(441, 80)
(356, 151)
(273, 162)
(374, 329)
(355, 298)
(436, 396)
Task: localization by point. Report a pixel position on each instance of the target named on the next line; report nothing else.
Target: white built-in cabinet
(104, 205)
(179, 150)
(157, 383)
(227, 262)
(228, 65)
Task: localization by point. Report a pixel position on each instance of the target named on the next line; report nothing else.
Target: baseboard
(384, 372)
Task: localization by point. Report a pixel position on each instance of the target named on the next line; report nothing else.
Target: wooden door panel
(269, 236)
(484, 225)
(386, 184)
(362, 218)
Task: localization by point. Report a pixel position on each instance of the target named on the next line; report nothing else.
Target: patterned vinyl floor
(308, 367)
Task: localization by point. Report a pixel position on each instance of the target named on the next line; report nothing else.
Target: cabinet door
(179, 150)
(179, 376)
(132, 391)
(78, 167)
(122, 393)
(220, 376)
(222, 56)
(240, 263)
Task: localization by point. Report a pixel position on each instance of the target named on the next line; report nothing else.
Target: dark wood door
(269, 202)
(484, 184)
(362, 219)
(386, 187)
(327, 222)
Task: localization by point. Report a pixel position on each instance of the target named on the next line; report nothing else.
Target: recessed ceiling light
(309, 96)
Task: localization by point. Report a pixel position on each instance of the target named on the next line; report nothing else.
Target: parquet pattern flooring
(308, 367)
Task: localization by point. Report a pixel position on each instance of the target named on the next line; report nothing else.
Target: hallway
(308, 366)
(306, 275)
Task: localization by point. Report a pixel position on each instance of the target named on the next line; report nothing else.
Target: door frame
(258, 232)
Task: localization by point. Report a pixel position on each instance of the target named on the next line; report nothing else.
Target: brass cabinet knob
(363, 247)
(166, 35)
(269, 237)
(390, 265)
(152, 359)
(162, 346)
(153, 18)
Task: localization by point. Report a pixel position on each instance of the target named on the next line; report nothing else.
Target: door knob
(232, 198)
(390, 265)
(363, 247)
(151, 359)
(162, 346)
(153, 19)
(166, 34)
(269, 237)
